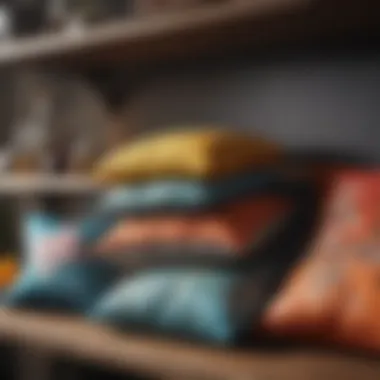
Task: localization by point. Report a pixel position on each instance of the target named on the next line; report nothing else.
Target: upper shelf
(130, 32)
(185, 34)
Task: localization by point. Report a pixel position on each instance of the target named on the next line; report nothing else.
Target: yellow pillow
(186, 154)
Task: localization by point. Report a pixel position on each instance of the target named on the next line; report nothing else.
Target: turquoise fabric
(36, 226)
(73, 288)
(187, 303)
(48, 241)
(170, 195)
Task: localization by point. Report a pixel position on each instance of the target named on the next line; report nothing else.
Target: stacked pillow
(192, 213)
(181, 302)
(193, 154)
(332, 296)
(211, 304)
(72, 288)
(49, 243)
(212, 191)
(192, 240)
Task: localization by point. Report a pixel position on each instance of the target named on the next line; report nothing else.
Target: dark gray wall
(6, 105)
(315, 100)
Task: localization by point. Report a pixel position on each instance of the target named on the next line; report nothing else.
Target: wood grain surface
(101, 346)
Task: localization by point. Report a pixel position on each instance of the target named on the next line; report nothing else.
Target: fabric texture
(222, 306)
(181, 249)
(161, 255)
(9, 271)
(164, 195)
(192, 304)
(175, 196)
(332, 295)
(49, 242)
(231, 227)
(204, 153)
(73, 288)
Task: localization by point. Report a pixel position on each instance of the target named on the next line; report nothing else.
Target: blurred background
(80, 77)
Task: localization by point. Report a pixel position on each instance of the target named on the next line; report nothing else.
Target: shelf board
(184, 34)
(133, 31)
(193, 33)
(35, 184)
(77, 339)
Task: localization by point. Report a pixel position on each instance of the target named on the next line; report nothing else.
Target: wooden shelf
(130, 32)
(76, 339)
(194, 32)
(35, 184)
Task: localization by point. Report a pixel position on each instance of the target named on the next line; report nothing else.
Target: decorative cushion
(175, 196)
(187, 194)
(231, 228)
(49, 241)
(210, 304)
(72, 288)
(332, 296)
(206, 153)
(9, 270)
(192, 304)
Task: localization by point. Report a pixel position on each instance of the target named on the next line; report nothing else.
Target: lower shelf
(73, 338)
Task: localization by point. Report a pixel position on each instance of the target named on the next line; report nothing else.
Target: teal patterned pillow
(172, 195)
(194, 304)
(73, 288)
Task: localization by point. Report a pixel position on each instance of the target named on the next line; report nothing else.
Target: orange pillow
(9, 270)
(359, 320)
(334, 294)
(233, 226)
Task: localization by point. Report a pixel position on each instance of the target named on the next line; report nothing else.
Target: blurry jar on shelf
(79, 13)
(82, 156)
(29, 16)
(6, 22)
(57, 14)
(31, 129)
(125, 121)
(81, 112)
(59, 124)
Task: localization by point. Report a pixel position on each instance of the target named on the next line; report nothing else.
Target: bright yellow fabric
(191, 154)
